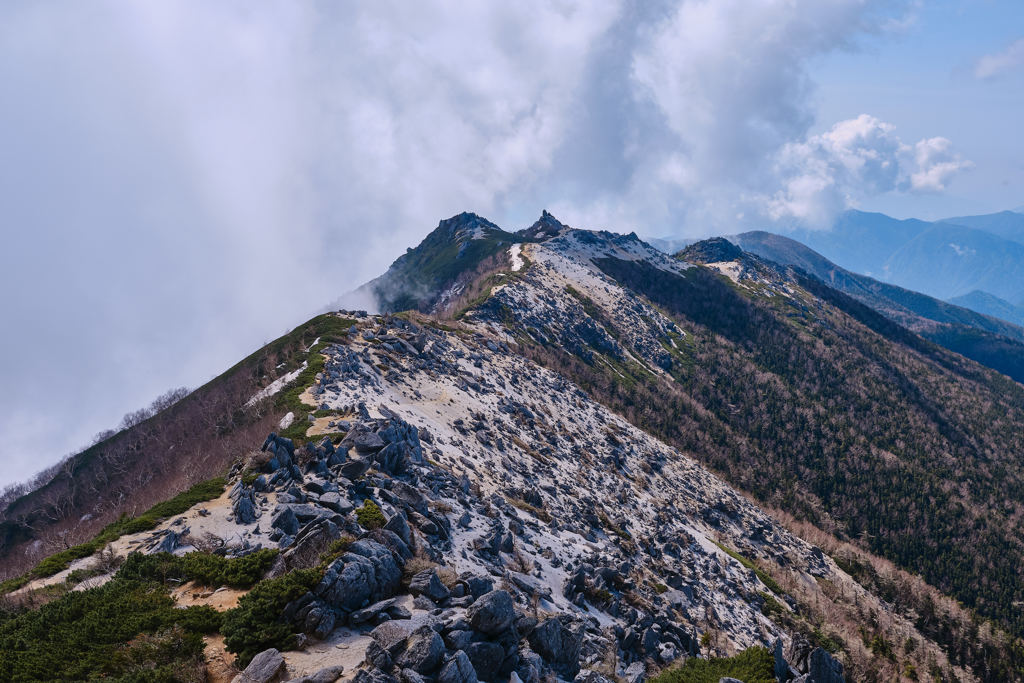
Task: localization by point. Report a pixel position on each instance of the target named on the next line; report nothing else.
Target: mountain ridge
(597, 429)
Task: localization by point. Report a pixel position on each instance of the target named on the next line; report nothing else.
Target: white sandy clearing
(514, 253)
(278, 384)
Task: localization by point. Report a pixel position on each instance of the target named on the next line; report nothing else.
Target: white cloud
(991, 66)
(855, 159)
(183, 181)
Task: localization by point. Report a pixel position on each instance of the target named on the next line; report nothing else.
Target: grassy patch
(765, 578)
(753, 665)
(538, 512)
(58, 562)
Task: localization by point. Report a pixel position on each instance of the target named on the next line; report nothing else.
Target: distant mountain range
(991, 341)
(947, 259)
(989, 304)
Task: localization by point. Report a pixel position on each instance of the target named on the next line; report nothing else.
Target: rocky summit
(545, 468)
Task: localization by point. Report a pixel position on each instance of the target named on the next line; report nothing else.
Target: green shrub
(172, 655)
(246, 571)
(256, 623)
(370, 516)
(831, 643)
(203, 568)
(753, 665)
(200, 619)
(127, 629)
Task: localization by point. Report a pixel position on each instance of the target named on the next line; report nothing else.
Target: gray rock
(266, 667)
(531, 666)
(486, 658)
(423, 652)
(390, 636)
(311, 543)
(422, 602)
(244, 508)
(650, 640)
(411, 496)
(428, 583)
(168, 543)
(392, 542)
(367, 573)
(391, 458)
(492, 613)
(559, 646)
(729, 679)
(373, 676)
(635, 673)
(410, 676)
(334, 501)
(478, 585)
(320, 622)
(364, 442)
(781, 667)
(399, 612)
(370, 613)
(458, 639)
(591, 676)
(398, 525)
(458, 670)
(326, 675)
(825, 668)
(353, 469)
(306, 512)
(285, 520)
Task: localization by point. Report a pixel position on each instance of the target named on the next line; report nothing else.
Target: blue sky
(922, 79)
(184, 181)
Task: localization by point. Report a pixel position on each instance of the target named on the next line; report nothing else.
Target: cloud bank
(856, 159)
(184, 181)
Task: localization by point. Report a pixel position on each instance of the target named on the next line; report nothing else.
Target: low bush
(127, 629)
(370, 516)
(256, 623)
(753, 665)
(203, 568)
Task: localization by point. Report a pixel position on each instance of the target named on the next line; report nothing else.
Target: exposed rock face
(498, 490)
(423, 651)
(492, 613)
(558, 646)
(244, 504)
(458, 670)
(367, 573)
(427, 583)
(824, 668)
(266, 667)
